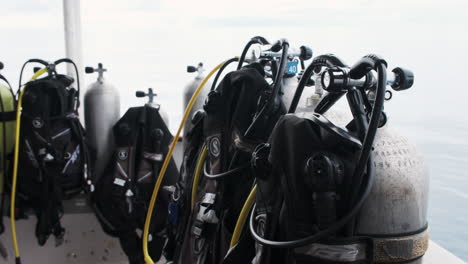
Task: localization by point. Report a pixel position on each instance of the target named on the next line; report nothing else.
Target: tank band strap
(400, 249)
(397, 249)
(8, 116)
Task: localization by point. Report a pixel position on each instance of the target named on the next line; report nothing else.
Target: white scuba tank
(190, 89)
(102, 111)
(397, 204)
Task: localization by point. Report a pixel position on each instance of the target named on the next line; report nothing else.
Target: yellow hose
(15, 167)
(196, 177)
(149, 214)
(243, 216)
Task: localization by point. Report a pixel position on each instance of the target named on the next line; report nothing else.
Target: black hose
(254, 40)
(43, 62)
(215, 81)
(270, 102)
(67, 60)
(371, 133)
(300, 87)
(20, 78)
(281, 69)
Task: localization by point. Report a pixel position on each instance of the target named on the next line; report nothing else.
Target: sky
(149, 43)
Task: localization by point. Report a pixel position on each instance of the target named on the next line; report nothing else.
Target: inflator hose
(15, 168)
(254, 40)
(243, 217)
(215, 80)
(196, 177)
(149, 214)
(365, 158)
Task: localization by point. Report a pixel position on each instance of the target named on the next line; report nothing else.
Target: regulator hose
(165, 165)
(377, 108)
(15, 168)
(215, 81)
(254, 40)
(271, 103)
(365, 157)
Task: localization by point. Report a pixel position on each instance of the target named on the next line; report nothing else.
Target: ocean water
(149, 43)
(445, 149)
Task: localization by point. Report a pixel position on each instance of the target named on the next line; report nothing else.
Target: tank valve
(198, 69)
(100, 70)
(150, 95)
(403, 79)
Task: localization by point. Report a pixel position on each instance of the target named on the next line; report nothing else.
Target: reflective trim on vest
(343, 253)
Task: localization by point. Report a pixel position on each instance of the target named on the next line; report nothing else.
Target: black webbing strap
(397, 249)
(7, 116)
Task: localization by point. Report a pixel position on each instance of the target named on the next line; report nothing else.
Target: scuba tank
(188, 92)
(382, 217)
(398, 201)
(102, 110)
(7, 135)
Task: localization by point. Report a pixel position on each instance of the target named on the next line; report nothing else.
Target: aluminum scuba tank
(190, 89)
(397, 204)
(102, 111)
(7, 126)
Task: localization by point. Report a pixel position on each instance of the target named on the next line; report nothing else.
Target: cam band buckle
(206, 214)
